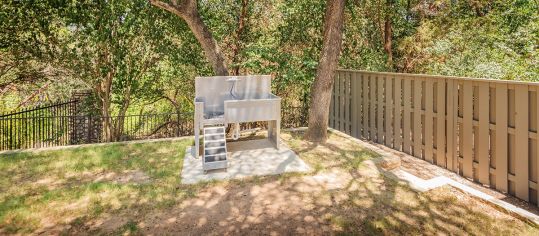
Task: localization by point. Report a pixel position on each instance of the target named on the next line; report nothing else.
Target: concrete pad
(245, 158)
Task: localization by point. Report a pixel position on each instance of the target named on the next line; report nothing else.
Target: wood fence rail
(485, 130)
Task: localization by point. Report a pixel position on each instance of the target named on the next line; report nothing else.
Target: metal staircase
(214, 156)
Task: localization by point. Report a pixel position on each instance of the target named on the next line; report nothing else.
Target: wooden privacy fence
(485, 130)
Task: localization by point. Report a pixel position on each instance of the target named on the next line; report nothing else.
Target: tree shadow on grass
(365, 204)
(380, 206)
(359, 203)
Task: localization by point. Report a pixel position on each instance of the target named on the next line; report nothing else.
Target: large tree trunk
(188, 11)
(323, 83)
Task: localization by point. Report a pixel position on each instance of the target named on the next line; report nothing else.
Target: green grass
(120, 189)
(74, 186)
(338, 152)
(64, 186)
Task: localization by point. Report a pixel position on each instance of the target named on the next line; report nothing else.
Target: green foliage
(153, 57)
(495, 39)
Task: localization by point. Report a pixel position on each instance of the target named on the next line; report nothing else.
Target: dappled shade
(136, 188)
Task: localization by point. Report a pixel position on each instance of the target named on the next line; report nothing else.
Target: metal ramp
(214, 156)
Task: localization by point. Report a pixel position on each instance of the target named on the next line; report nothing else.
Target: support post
(199, 110)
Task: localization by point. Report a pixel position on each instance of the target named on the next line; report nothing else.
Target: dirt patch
(327, 203)
(426, 170)
(133, 176)
(124, 177)
(269, 208)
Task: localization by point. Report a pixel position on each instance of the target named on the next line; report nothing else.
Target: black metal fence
(91, 129)
(59, 125)
(37, 127)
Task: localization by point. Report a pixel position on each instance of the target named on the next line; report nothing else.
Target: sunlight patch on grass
(87, 182)
(337, 152)
(340, 223)
(111, 189)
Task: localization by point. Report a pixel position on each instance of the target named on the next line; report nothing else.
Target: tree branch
(167, 6)
(187, 10)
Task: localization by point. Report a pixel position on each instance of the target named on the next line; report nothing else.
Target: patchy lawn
(56, 191)
(135, 189)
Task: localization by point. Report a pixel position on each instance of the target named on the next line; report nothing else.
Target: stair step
(214, 130)
(214, 137)
(214, 151)
(211, 150)
(215, 134)
(217, 157)
(214, 144)
(215, 140)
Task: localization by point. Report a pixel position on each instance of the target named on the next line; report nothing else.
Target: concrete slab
(245, 158)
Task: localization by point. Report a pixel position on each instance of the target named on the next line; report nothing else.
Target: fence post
(89, 127)
(178, 124)
(72, 122)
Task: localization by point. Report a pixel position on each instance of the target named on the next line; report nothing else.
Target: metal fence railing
(58, 125)
(36, 126)
(47, 131)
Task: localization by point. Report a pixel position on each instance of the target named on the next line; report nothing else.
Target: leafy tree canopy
(139, 58)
